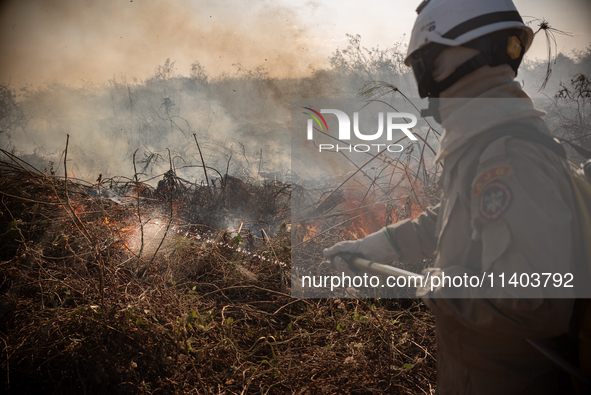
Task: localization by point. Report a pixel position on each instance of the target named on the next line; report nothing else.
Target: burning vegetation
(177, 279)
(121, 287)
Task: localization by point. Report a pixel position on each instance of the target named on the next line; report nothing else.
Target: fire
(130, 198)
(358, 209)
(310, 230)
(135, 237)
(78, 208)
(364, 214)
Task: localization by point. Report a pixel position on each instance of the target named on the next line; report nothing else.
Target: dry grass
(204, 313)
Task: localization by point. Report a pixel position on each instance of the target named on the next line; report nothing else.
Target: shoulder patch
(494, 200)
(494, 173)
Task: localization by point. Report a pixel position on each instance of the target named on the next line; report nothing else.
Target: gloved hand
(375, 247)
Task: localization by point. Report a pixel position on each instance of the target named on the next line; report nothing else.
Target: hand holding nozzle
(376, 247)
(364, 254)
(366, 266)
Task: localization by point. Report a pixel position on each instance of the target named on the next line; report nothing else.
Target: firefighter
(506, 208)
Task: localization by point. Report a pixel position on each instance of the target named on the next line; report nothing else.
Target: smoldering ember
(148, 228)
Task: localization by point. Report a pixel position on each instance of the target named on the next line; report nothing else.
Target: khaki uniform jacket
(509, 210)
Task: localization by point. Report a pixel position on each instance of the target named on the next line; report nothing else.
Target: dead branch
(202, 161)
(139, 216)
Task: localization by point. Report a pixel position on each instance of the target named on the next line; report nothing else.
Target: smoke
(147, 75)
(90, 69)
(241, 127)
(71, 41)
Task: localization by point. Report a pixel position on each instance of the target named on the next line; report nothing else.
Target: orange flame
(365, 211)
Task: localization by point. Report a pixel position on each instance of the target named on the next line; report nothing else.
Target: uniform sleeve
(416, 238)
(521, 214)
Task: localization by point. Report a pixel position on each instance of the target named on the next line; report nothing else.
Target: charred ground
(207, 311)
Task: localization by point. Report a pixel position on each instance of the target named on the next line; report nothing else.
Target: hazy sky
(76, 41)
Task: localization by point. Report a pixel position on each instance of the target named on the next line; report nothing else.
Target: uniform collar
(464, 119)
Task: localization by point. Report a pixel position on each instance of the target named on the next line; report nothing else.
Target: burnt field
(147, 230)
(146, 294)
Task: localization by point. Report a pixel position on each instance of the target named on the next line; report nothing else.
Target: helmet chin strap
(494, 49)
(432, 110)
(469, 66)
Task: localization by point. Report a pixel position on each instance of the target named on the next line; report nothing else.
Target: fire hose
(368, 266)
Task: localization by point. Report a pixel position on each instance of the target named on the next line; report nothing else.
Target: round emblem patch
(494, 200)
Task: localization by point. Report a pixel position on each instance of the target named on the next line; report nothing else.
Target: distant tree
(372, 64)
(198, 74)
(572, 111)
(166, 71)
(583, 60)
(11, 113)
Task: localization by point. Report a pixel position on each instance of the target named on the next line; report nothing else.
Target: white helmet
(444, 23)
